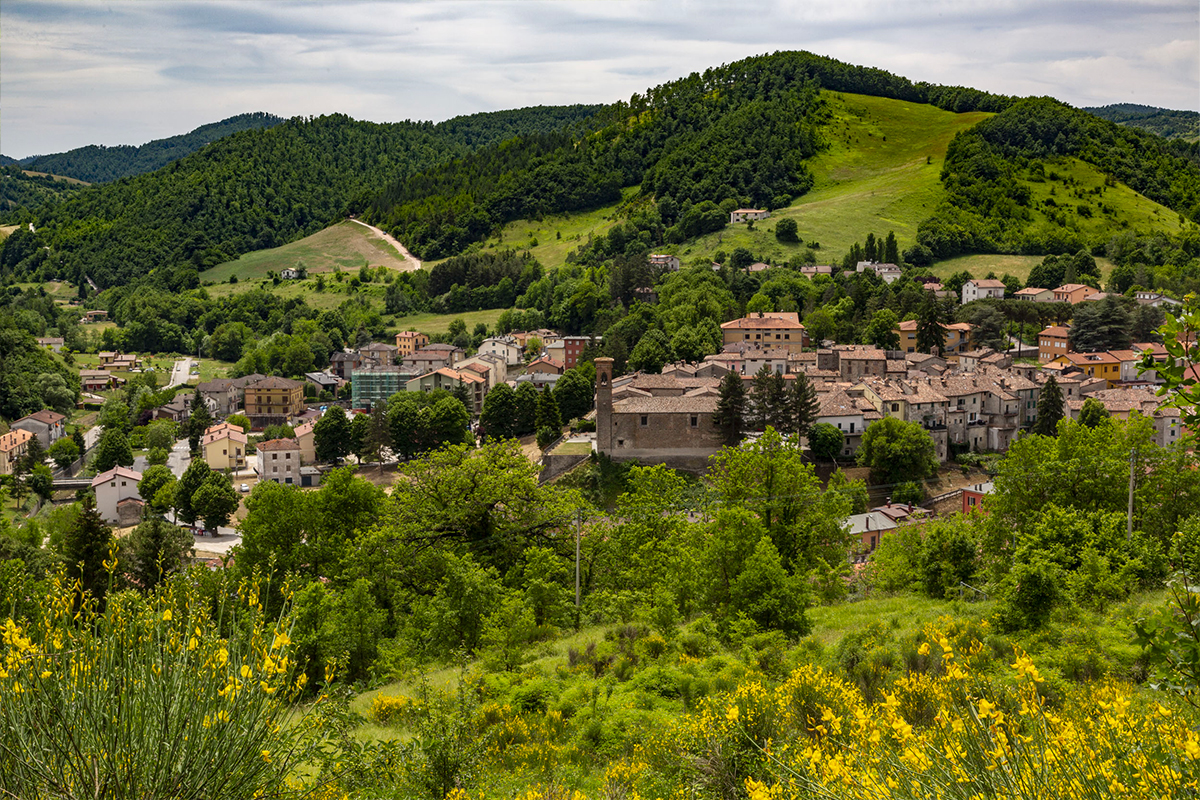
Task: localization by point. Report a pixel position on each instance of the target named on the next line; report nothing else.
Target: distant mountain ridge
(99, 164)
(1165, 122)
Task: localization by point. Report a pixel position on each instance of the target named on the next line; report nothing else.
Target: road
(178, 460)
(394, 242)
(180, 372)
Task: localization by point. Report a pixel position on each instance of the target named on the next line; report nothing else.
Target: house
(279, 461)
(556, 350)
(274, 399)
(677, 431)
(307, 441)
(433, 356)
(96, 315)
(450, 379)
(747, 215)
(872, 526)
(324, 381)
(1156, 299)
(54, 343)
(664, 263)
(13, 446)
(1096, 296)
(850, 415)
(1124, 402)
(1052, 343)
(956, 337)
(1072, 293)
(48, 426)
(1094, 365)
(767, 328)
(117, 498)
(545, 364)
(177, 410)
(222, 395)
(97, 380)
(126, 361)
(1035, 295)
(813, 270)
(573, 347)
(758, 266)
(855, 361)
(224, 447)
(107, 357)
(982, 289)
(972, 496)
(383, 354)
(409, 342)
(491, 368)
(540, 380)
(292, 273)
(505, 347)
(344, 363)
(373, 384)
(889, 272)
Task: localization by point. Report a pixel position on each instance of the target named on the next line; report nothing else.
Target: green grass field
(440, 323)
(879, 174)
(6, 231)
(347, 245)
(980, 265)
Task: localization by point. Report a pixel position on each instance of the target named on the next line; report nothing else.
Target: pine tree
(34, 454)
(930, 333)
(1049, 408)
(85, 548)
(731, 409)
(198, 422)
(759, 412)
(803, 404)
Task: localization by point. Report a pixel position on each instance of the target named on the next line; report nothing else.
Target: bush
(157, 456)
(546, 436)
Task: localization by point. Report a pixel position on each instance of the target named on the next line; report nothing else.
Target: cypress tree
(85, 548)
(891, 249)
(930, 333)
(1049, 408)
(731, 409)
(547, 412)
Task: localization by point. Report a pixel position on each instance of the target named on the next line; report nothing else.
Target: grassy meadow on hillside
(346, 245)
(981, 264)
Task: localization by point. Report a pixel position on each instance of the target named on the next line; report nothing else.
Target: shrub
(546, 436)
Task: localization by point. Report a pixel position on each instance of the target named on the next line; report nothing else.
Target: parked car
(245, 487)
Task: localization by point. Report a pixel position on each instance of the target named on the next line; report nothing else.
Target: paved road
(91, 437)
(180, 372)
(178, 460)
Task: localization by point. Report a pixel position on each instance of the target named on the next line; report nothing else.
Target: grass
(333, 295)
(1018, 266)
(58, 291)
(440, 323)
(573, 449)
(6, 231)
(346, 246)
(880, 173)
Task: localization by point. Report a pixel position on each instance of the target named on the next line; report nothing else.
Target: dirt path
(409, 258)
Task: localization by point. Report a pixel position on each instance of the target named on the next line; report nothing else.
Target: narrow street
(180, 372)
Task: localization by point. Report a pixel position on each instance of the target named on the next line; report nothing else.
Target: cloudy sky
(81, 72)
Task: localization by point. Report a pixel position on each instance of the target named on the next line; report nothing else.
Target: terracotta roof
(124, 472)
(554, 362)
(305, 429)
(666, 405)
(231, 432)
(275, 382)
(279, 444)
(216, 385)
(651, 382)
(1031, 290)
(438, 347)
(45, 416)
(1071, 287)
(782, 320)
(1054, 330)
(838, 404)
(223, 426)
(988, 283)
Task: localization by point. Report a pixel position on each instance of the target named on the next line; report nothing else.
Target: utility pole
(1129, 518)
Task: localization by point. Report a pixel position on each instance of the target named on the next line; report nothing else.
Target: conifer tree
(1049, 408)
(804, 407)
(547, 412)
(731, 409)
(930, 333)
(85, 548)
(891, 250)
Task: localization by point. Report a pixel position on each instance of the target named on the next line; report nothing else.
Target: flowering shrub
(148, 697)
(950, 733)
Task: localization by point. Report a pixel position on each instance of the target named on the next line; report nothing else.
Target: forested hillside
(737, 131)
(254, 189)
(989, 169)
(97, 163)
(18, 190)
(1165, 122)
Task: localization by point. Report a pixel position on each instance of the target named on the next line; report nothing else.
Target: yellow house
(956, 335)
(1095, 365)
(308, 447)
(766, 329)
(224, 447)
(276, 397)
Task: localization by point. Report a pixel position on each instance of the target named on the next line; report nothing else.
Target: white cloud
(127, 72)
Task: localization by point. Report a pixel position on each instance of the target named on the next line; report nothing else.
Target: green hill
(1165, 122)
(97, 163)
(346, 245)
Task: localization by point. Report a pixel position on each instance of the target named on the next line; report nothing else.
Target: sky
(82, 72)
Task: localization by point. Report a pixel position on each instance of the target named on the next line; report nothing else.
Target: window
(620, 442)
(274, 469)
(787, 336)
(288, 456)
(287, 480)
(645, 420)
(895, 406)
(695, 420)
(852, 427)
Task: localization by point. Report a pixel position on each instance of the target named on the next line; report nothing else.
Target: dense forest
(1165, 122)
(18, 190)
(739, 131)
(988, 169)
(251, 190)
(97, 163)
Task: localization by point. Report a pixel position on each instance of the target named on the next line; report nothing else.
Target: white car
(245, 487)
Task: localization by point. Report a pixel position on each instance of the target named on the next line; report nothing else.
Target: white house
(291, 274)
(117, 497)
(980, 289)
(747, 215)
(279, 461)
(504, 346)
(665, 262)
